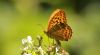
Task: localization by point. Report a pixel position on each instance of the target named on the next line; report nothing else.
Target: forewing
(56, 18)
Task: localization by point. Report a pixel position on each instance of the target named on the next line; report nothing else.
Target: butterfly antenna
(44, 29)
(41, 26)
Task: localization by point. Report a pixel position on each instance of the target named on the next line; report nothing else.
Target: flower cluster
(29, 48)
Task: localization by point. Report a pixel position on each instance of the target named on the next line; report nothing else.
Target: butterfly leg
(53, 41)
(58, 42)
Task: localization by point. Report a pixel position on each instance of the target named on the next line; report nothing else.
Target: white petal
(27, 54)
(29, 39)
(24, 41)
(25, 48)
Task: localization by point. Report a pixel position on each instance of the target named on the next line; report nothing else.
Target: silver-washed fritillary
(58, 27)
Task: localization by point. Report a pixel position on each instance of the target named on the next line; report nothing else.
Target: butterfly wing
(63, 34)
(57, 27)
(57, 17)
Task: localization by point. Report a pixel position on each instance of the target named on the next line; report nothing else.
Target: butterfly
(58, 28)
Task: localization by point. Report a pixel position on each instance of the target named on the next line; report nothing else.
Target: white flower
(26, 48)
(57, 50)
(24, 41)
(29, 39)
(27, 54)
(27, 42)
(41, 50)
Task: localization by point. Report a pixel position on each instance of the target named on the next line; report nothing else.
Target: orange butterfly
(58, 28)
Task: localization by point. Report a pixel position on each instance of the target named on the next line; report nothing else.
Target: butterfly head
(45, 31)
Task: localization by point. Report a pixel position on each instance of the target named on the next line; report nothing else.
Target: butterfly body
(57, 27)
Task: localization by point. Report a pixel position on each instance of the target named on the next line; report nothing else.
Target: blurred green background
(20, 18)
